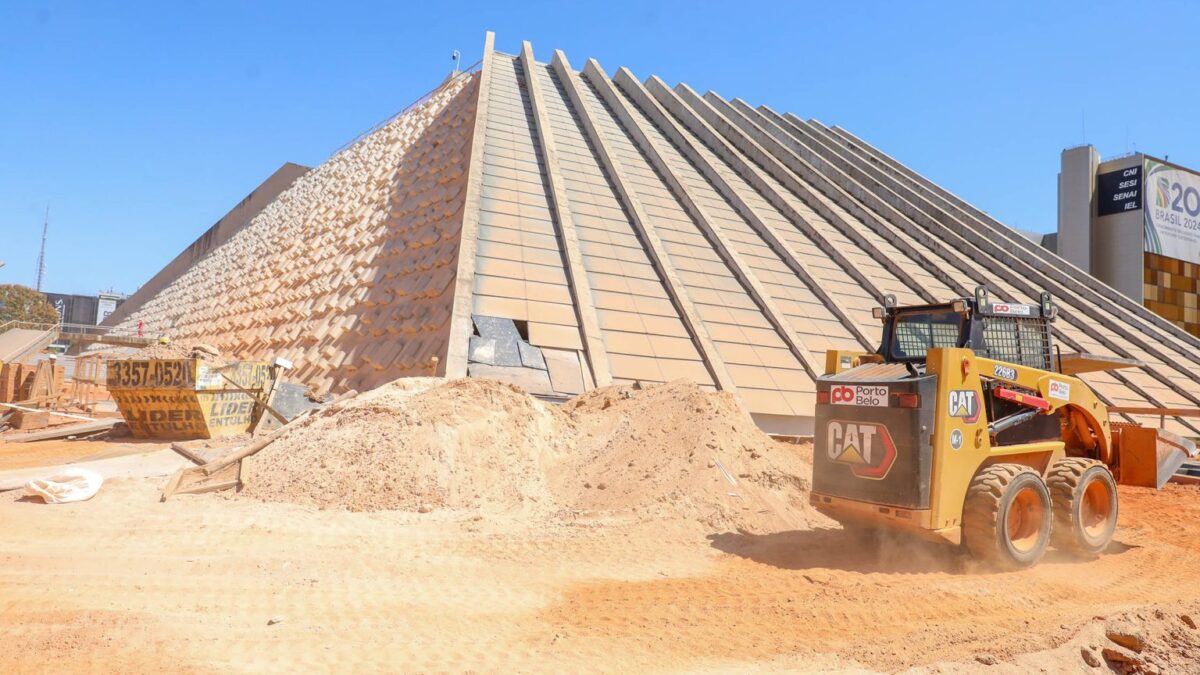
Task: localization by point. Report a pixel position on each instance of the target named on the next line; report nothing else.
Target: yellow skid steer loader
(968, 426)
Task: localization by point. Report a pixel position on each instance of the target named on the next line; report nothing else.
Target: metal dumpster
(189, 398)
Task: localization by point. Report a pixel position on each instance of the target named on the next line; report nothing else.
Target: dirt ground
(451, 526)
(192, 585)
(47, 453)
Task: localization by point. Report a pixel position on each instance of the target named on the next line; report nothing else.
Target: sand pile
(418, 442)
(677, 451)
(672, 451)
(180, 349)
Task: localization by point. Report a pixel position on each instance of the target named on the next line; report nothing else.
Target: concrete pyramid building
(566, 229)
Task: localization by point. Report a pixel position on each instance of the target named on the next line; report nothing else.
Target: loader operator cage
(1024, 341)
(1009, 332)
(916, 332)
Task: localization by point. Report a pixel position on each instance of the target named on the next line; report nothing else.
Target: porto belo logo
(1059, 390)
(873, 396)
(866, 447)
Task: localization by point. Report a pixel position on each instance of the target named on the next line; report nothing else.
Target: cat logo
(964, 403)
(867, 448)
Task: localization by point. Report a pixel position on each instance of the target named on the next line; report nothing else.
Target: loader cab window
(1017, 340)
(915, 333)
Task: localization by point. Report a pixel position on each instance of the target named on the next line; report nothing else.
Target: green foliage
(22, 303)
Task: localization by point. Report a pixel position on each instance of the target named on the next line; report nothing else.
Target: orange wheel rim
(1095, 509)
(1026, 515)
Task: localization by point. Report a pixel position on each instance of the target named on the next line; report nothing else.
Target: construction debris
(222, 473)
(69, 485)
(188, 453)
(66, 431)
(196, 481)
(601, 292)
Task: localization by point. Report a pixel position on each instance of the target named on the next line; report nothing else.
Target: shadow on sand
(883, 553)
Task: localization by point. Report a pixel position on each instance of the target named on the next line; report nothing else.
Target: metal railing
(69, 330)
(424, 97)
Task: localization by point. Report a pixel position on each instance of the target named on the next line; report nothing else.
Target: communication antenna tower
(41, 268)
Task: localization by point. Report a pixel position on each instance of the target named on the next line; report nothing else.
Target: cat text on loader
(969, 426)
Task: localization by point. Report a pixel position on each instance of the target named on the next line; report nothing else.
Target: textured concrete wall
(237, 218)
(347, 272)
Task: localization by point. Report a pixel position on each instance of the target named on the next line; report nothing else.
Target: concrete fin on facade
(562, 229)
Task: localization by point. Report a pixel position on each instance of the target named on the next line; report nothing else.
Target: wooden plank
(173, 484)
(254, 395)
(577, 278)
(217, 464)
(195, 481)
(178, 447)
(64, 431)
(643, 225)
(241, 453)
(468, 237)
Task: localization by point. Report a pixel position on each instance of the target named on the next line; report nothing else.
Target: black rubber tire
(1069, 481)
(989, 508)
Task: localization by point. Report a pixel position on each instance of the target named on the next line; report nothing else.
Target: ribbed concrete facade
(635, 231)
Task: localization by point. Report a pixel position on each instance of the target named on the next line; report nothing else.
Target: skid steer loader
(968, 426)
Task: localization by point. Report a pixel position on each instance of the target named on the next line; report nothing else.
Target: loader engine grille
(1023, 341)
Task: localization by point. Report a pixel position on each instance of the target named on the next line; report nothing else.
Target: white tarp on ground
(69, 485)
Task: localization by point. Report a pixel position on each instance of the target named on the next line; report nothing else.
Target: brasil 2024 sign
(1172, 211)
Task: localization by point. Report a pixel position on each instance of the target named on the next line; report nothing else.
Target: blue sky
(142, 123)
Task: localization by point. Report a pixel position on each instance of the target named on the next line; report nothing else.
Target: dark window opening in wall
(522, 328)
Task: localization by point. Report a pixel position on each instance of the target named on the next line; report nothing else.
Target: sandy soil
(125, 582)
(432, 526)
(63, 451)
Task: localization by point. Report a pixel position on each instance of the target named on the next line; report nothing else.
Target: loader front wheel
(1006, 516)
(1084, 495)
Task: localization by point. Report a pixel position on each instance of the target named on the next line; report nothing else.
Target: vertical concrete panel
(1076, 207)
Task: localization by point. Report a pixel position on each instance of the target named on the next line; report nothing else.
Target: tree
(22, 303)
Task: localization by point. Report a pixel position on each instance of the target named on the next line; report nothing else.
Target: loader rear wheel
(1084, 495)
(1006, 516)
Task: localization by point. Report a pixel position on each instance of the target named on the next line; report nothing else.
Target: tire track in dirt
(905, 604)
(196, 579)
